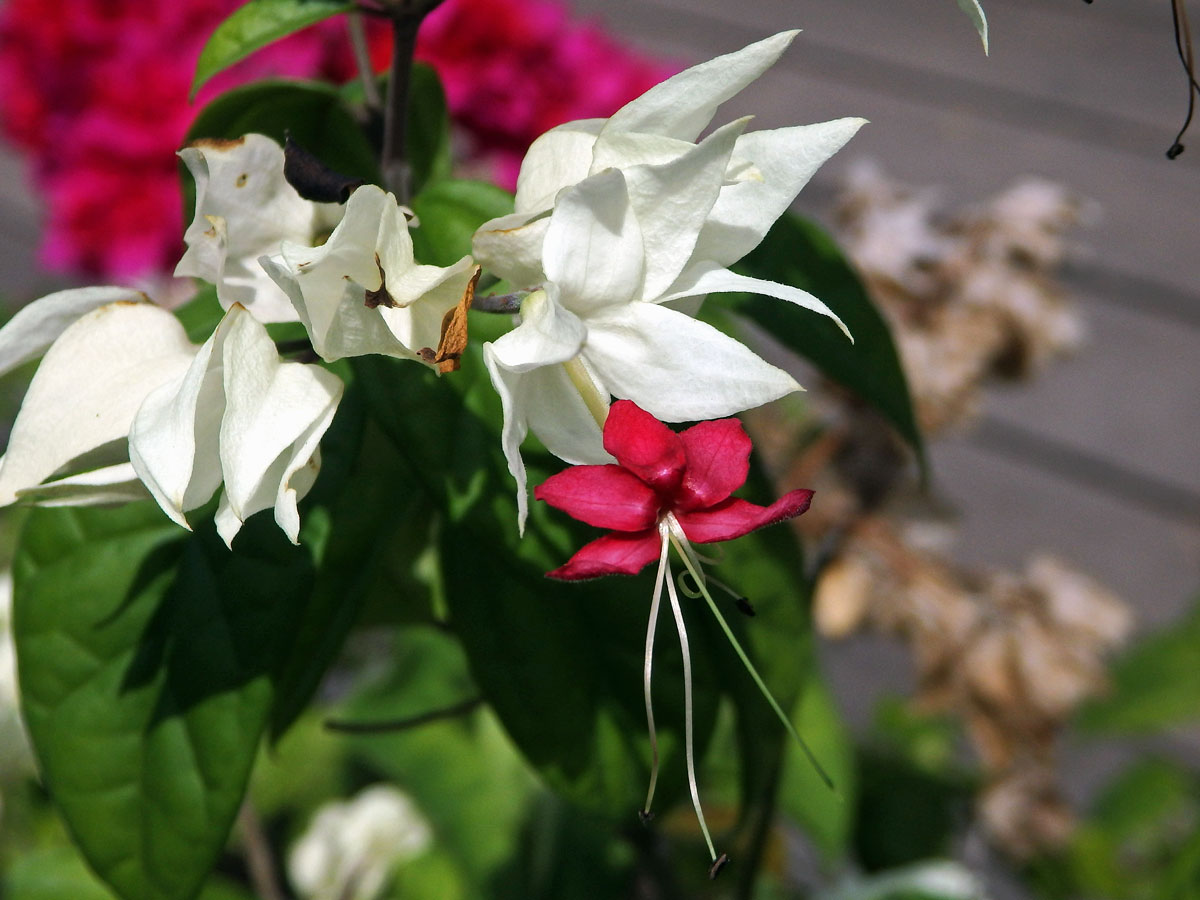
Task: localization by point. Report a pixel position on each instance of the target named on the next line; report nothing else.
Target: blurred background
(1013, 214)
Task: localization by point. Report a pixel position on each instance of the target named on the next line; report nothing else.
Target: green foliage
(911, 794)
(798, 252)
(145, 661)
(254, 25)
(450, 211)
(1155, 684)
(200, 315)
(1140, 842)
(313, 114)
(57, 873)
(427, 134)
(826, 816)
(462, 771)
(975, 12)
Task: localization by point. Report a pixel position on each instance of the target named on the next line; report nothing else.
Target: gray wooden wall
(1099, 459)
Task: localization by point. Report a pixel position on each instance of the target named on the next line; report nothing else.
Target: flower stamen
(646, 674)
(689, 751)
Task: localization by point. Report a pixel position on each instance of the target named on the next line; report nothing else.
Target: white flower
(618, 250)
(124, 406)
(764, 172)
(626, 224)
(350, 848)
(362, 291)
(245, 208)
(108, 348)
(238, 416)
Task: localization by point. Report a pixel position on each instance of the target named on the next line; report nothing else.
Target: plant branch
(362, 59)
(1183, 45)
(433, 715)
(396, 168)
(260, 861)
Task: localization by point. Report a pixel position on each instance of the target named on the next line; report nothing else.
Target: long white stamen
(684, 548)
(687, 713)
(648, 666)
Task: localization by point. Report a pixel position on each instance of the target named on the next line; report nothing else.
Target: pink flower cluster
(513, 69)
(96, 92)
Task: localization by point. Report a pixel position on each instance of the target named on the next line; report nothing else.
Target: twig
(362, 59)
(434, 715)
(1183, 46)
(260, 861)
(397, 170)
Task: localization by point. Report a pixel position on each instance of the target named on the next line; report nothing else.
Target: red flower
(662, 481)
(667, 490)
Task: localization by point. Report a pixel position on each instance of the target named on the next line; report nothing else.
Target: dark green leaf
(312, 113)
(256, 24)
(799, 253)
(450, 211)
(428, 131)
(366, 516)
(1155, 684)
(145, 658)
(462, 771)
(561, 664)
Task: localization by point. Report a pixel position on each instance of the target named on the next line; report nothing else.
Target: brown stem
(434, 715)
(260, 861)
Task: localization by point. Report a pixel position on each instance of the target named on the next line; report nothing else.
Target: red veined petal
(614, 554)
(644, 446)
(718, 461)
(736, 517)
(604, 496)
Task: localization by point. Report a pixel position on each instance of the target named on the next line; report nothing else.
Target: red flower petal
(718, 461)
(644, 445)
(604, 496)
(613, 554)
(736, 517)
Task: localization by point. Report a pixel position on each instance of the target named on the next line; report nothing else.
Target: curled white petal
(362, 291)
(245, 209)
(238, 416)
(82, 400)
(31, 331)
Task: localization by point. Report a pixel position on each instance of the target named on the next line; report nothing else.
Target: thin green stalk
(783, 717)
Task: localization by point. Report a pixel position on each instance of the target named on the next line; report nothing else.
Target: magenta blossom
(667, 490)
(683, 480)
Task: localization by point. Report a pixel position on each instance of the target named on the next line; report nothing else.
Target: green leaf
(57, 873)
(975, 12)
(314, 114)
(450, 211)
(561, 664)
(827, 817)
(428, 130)
(145, 658)
(1155, 684)
(462, 771)
(799, 253)
(256, 24)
